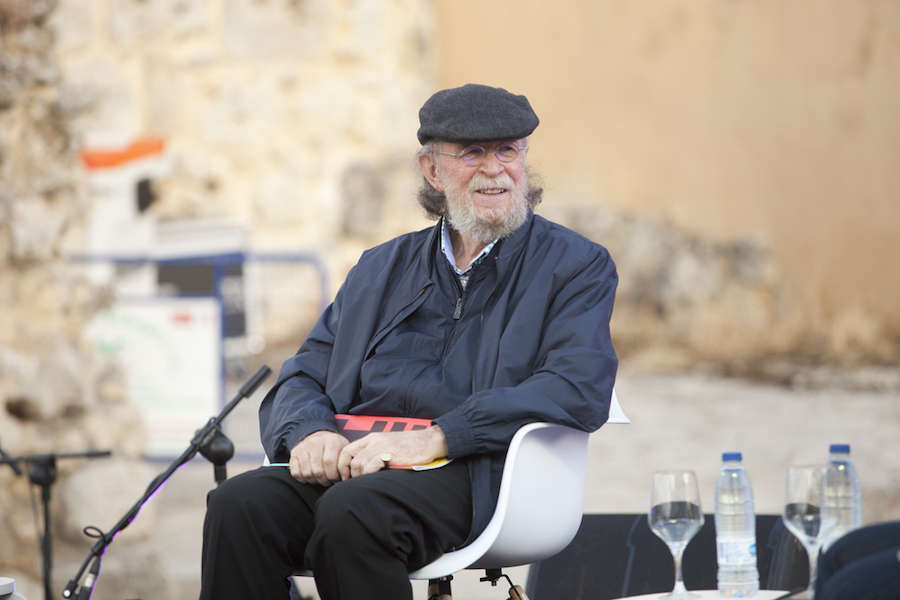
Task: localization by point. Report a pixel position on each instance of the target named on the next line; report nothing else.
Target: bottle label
(736, 552)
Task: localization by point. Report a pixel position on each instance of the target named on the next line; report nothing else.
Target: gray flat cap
(473, 113)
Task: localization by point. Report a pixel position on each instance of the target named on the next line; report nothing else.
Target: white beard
(486, 225)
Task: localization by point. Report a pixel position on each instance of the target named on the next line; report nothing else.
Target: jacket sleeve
(572, 381)
(297, 404)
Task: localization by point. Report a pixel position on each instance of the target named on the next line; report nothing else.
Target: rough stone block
(133, 571)
(100, 494)
(36, 228)
(110, 85)
(72, 24)
(268, 29)
(137, 22)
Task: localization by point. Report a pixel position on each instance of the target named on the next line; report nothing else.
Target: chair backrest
(540, 504)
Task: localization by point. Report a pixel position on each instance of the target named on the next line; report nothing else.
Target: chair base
(439, 589)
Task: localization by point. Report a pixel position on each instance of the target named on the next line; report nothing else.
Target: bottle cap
(839, 449)
(731, 457)
(7, 586)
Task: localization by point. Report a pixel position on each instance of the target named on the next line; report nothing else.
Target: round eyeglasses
(475, 154)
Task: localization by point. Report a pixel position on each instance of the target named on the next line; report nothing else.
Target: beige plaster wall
(771, 120)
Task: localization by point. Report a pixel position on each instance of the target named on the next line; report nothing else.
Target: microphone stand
(208, 436)
(6, 458)
(43, 474)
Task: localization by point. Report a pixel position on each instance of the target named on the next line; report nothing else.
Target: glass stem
(813, 553)
(679, 583)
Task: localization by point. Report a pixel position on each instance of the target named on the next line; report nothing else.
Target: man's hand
(315, 458)
(365, 455)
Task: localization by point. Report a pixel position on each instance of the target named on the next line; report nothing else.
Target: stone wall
(296, 119)
(684, 300)
(687, 303)
(56, 394)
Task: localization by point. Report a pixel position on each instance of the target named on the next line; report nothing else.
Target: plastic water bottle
(738, 576)
(841, 503)
(8, 589)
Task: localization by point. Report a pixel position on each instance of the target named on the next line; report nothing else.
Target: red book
(354, 427)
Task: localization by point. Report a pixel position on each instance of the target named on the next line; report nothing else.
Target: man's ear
(428, 165)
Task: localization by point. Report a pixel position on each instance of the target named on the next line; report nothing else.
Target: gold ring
(386, 458)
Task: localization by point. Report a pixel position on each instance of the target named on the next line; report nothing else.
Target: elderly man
(491, 319)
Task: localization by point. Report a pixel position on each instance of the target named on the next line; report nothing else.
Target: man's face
(486, 200)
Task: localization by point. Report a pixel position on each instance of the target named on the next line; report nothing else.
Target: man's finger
(306, 470)
(343, 464)
(330, 464)
(295, 462)
(356, 466)
(364, 464)
(323, 481)
(317, 473)
(320, 468)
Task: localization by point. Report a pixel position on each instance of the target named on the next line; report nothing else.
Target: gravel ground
(677, 421)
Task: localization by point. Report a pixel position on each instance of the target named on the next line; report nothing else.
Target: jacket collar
(509, 246)
(512, 244)
(502, 255)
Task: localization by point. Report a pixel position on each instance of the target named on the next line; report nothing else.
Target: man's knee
(222, 506)
(355, 512)
(340, 509)
(237, 497)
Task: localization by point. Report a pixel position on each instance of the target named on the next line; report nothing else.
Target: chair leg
(439, 589)
(494, 575)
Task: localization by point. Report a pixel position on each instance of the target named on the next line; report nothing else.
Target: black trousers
(361, 537)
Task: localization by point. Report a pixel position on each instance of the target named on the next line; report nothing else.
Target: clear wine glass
(803, 515)
(675, 516)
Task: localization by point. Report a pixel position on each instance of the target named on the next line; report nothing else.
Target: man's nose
(491, 164)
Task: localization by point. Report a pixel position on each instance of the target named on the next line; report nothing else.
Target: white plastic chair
(540, 504)
(539, 508)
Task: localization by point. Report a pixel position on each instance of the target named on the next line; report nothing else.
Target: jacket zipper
(460, 290)
(457, 312)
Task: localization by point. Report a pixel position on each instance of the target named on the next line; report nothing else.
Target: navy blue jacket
(544, 352)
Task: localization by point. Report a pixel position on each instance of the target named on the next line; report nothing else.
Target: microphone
(251, 385)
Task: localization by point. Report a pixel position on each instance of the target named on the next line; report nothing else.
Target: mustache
(481, 182)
